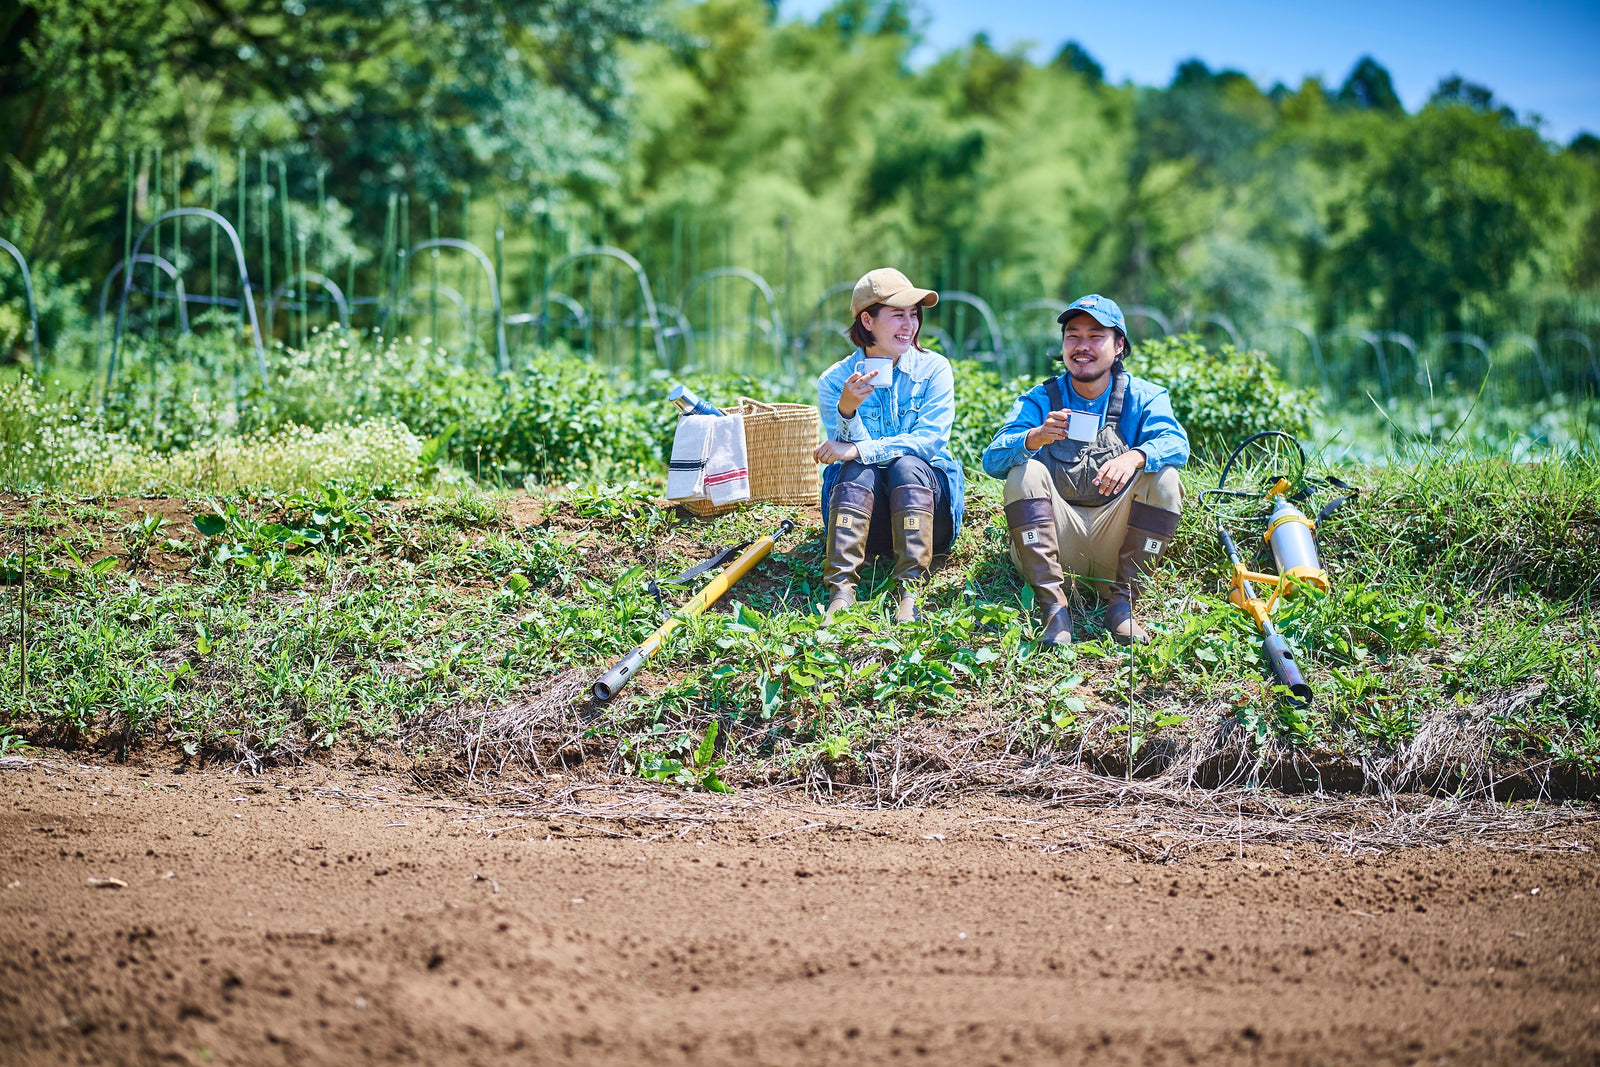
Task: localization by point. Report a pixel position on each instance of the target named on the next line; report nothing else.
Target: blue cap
(1104, 310)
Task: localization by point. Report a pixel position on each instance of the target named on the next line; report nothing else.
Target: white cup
(883, 365)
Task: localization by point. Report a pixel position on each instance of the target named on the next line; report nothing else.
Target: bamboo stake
(266, 229)
(156, 207)
(433, 295)
(239, 180)
(288, 243)
(216, 165)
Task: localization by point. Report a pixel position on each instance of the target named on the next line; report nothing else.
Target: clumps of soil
(327, 916)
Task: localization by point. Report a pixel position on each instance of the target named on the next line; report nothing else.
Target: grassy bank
(1458, 644)
(254, 571)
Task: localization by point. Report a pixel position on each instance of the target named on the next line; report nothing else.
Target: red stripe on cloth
(727, 476)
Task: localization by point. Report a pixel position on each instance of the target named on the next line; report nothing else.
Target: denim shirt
(911, 418)
(1152, 427)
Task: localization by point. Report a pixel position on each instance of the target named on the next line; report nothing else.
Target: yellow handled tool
(1290, 534)
(624, 669)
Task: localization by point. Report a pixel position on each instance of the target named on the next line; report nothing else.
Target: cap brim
(911, 297)
(1062, 318)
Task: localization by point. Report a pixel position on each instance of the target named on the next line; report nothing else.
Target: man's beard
(1092, 373)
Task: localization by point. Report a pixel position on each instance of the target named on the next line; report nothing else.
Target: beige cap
(888, 286)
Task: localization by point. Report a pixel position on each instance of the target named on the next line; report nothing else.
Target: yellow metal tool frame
(1282, 584)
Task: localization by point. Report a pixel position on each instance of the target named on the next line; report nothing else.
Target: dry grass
(1215, 792)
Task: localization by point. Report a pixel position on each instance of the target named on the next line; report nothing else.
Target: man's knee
(1028, 481)
(1160, 489)
(912, 470)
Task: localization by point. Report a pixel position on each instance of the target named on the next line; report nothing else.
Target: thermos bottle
(684, 399)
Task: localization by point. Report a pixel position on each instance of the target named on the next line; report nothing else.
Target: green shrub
(343, 375)
(32, 425)
(173, 393)
(555, 417)
(562, 417)
(982, 400)
(1221, 397)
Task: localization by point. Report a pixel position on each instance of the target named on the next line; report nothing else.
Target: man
(1090, 461)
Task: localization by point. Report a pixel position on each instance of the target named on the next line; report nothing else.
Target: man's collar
(1070, 388)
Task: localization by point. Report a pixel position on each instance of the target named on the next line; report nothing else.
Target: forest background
(1329, 204)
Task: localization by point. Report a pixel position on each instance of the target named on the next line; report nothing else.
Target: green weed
(139, 536)
(694, 766)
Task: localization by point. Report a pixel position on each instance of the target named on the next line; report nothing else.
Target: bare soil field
(326, 915)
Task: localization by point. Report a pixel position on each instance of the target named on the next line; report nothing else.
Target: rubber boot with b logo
(1032, 523)
(849, 516)
(911, 516)
(1150, 530)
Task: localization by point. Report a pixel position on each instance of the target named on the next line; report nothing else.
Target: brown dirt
(315, 917)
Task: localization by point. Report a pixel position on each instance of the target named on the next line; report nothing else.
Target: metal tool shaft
(624, 669)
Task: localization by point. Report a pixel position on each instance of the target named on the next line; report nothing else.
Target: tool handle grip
(617, 677)
(1281, 659)
(1228, 545)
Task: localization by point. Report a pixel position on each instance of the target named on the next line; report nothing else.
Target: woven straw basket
(779, 440)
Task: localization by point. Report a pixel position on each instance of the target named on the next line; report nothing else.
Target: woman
(887, 408)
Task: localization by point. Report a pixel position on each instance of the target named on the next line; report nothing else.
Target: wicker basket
(779, 442)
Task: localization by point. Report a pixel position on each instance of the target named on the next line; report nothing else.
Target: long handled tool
(624, 669)
(1274, 472)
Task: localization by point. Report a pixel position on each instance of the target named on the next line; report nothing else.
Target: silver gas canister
(1294, 545)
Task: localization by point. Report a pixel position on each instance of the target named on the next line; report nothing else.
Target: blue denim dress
(911, 418)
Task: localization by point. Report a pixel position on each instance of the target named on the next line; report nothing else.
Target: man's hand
(1120, 471)
(1054, 429)
(857, 388)
(835, 452)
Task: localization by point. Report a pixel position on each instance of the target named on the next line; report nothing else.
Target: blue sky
(1538, 57)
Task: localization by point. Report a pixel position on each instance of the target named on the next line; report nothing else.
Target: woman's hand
(857, 388)
(835, 452)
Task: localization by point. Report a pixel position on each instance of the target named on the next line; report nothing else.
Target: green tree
(1456, 207)
(419, 95)
(1369, 87)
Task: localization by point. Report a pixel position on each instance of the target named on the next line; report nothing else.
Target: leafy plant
(241, 543)
(99, 568)
(140, 535)
(694, 768)
(334, 513)
(1222, 397)
(1062, 712)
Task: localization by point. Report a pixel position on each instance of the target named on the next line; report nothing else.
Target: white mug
(883, 365)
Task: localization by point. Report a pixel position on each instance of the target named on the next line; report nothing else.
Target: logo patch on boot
(1152, 545)
(913, 522)
(844, 519)
(1030, 537)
